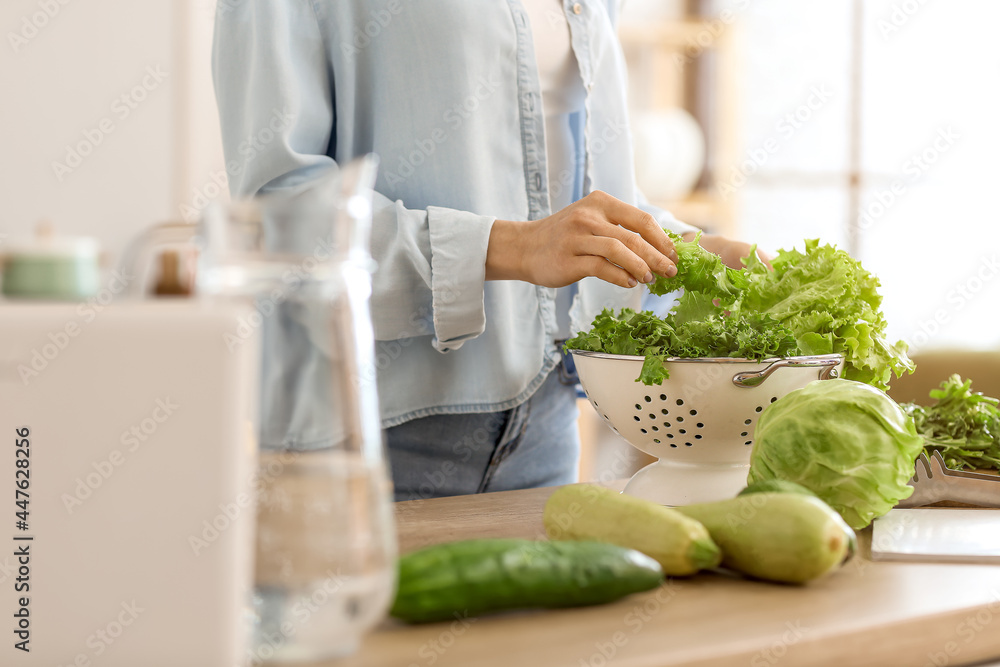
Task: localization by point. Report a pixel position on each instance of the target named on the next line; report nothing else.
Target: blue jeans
(535, 444)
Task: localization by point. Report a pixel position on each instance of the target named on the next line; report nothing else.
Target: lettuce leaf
(819, 301)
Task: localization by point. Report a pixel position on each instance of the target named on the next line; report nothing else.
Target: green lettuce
(963, 425)
(710, 334)
(820, 301)
(831, 305)
(846, 441)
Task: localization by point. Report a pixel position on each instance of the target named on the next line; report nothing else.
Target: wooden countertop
(869, 613)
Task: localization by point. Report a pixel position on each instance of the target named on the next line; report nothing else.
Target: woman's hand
(730, 251)
(596, 236)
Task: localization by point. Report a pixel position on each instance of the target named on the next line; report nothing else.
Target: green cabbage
(846, 441)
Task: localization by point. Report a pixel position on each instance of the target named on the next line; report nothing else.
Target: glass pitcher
(325, 546)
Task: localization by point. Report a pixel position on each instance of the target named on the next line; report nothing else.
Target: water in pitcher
(325, 562)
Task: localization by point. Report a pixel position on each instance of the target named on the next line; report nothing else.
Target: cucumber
(784, 537)
(472, 577)
(589, 512)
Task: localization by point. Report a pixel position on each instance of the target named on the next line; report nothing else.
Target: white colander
(700, 422)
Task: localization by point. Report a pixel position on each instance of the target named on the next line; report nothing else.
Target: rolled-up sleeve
(273, 80)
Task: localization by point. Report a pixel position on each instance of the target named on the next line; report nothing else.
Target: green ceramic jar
(51, 268)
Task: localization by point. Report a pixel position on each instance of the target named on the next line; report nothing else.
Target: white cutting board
(140, 431)
(938, 535)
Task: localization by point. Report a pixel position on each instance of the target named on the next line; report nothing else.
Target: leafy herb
(821, 301)
(963, 425)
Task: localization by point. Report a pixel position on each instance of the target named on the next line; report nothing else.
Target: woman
(506, 213)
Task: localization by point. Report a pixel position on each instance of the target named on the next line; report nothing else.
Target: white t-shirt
(563, 94)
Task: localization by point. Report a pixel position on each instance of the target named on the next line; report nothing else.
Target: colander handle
(827, 370)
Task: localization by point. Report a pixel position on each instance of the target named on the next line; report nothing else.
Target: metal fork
(933, 482)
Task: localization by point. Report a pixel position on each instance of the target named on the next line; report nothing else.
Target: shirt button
(577, 8)
(538, 181)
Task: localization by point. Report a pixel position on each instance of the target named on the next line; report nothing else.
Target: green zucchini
(589, 512)
(785, 537)
(471, 577)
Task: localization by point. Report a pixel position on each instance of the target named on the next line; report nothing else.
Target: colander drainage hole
(759, 408)
(673, 445)
(648, 399)
(688, 444)
(652, 416)
(638, 407)
(748, 442)
(774, 398)
(680, 402)
(664, 411)
(745, 433)
(656, 440)
(636, 418)
(670, 435)
(679, 418)
(700, 425)
(644, 430)
(663, 397)
(697, 436)
(606, 417)
(747, 422)
(655, 428)
(694, 412)
(681, 431)
(666, 424)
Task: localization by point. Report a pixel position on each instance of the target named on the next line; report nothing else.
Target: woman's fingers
(653, 258)
(591, 265)
(610, 249)
(636, 220)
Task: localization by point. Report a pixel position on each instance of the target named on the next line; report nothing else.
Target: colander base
(670, 483)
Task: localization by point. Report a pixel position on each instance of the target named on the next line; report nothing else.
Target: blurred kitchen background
(867, 123)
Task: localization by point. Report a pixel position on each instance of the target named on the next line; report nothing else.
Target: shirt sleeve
(275, 92)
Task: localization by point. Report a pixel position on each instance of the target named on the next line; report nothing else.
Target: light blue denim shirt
(447, 94)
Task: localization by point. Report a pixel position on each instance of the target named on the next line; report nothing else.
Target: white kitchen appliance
(137, 425)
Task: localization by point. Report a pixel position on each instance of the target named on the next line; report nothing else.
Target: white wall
(65, 68)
